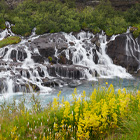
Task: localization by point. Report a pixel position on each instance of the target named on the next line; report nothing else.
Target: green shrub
(132, 15)
(136, 33)
(60, 15)
(22, 29)
(2, 23)
(9, 40)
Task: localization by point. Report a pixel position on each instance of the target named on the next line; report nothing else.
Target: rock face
(47, 44)
(123, 4)
(124, 51)
(118, 4)
(13, 3)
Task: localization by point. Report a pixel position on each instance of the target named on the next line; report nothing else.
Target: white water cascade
(133, 51)
(20, 73)
(83, 55)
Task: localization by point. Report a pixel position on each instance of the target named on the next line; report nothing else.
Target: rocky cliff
(118, 4)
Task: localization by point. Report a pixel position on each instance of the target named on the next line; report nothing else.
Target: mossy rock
(10, 40)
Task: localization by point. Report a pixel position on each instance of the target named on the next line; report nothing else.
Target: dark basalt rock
(47, 44)
(21, 88)
(120, 55)
(2, 85)
(34, 87)
(72, 43)
(138, 73)
(118, 4)
(37, 58)
(74, 83)
(63, 60)
(95, 56)
(72, 72)
(50, 84)
(18, 55)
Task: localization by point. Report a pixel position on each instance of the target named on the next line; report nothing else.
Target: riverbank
(105, 114)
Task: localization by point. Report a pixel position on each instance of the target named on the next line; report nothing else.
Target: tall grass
(106, 114)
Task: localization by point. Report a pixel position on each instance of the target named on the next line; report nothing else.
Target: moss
(10, 40)
(50, 58)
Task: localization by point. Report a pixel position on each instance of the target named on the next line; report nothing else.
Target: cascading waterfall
(83, 55)
(87, 61)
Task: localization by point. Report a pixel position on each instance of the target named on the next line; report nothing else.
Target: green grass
(10, 40)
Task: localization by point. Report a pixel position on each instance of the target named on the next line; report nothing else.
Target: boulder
(123, 52)
(49, 43)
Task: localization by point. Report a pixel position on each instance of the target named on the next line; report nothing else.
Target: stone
(37, 58)
(66, 71)
(72, 43)
(117, 52)
(47, 44)
(63, 60)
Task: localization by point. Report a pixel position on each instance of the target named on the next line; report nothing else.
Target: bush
(136, 33)
(132, 15)
(2, 23)
(22, 29)
(55, 16)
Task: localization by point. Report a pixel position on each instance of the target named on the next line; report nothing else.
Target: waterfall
(41, 62)
(83, 55)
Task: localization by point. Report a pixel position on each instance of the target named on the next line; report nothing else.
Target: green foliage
(133, 15)
(2, 23)
(135, 30)
(46, 16)
(50, 58)
(104, 17)
(22, 29)
(3, 10)
(9, 40)
(61, 15)
(136, 33)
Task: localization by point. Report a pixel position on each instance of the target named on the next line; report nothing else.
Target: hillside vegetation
(55, 16)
